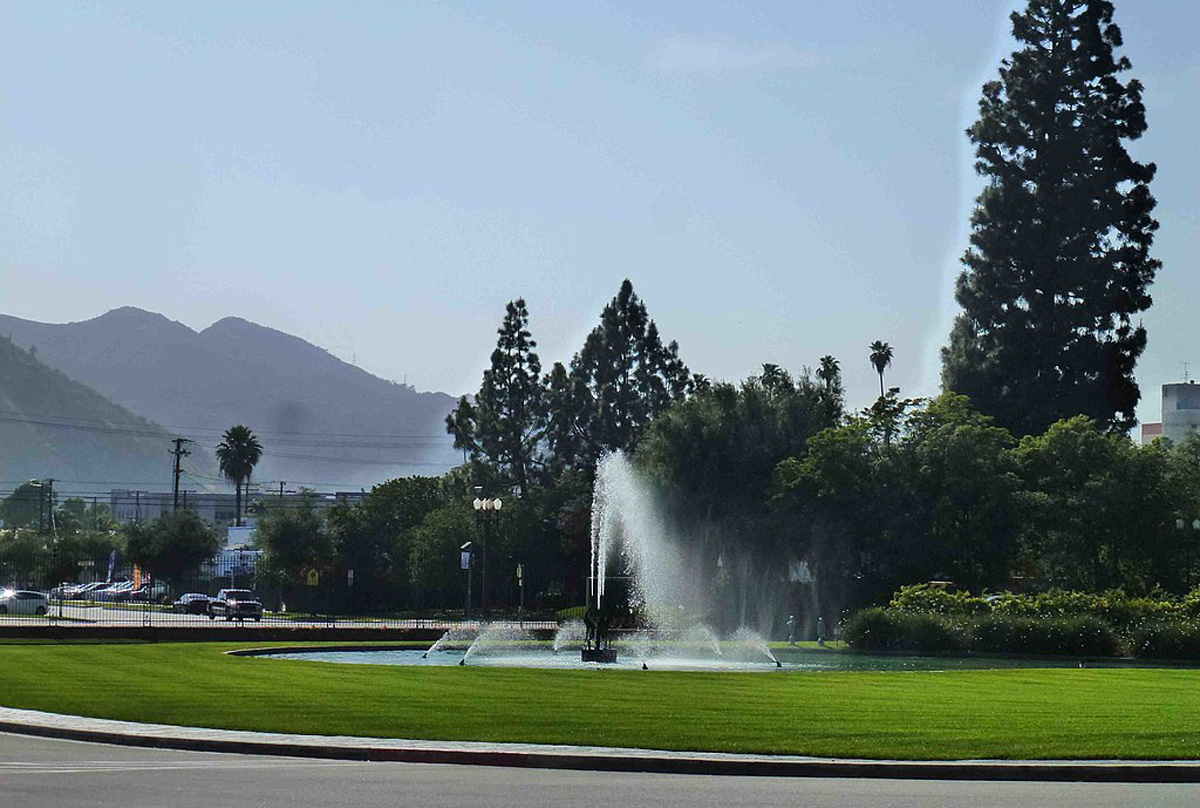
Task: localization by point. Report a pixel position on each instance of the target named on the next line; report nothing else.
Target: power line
(147, 425)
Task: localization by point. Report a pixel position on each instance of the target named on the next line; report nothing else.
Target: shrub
(1088, 636)
(890, 630)
(1173, 639)
(571, 613)
(934, 599)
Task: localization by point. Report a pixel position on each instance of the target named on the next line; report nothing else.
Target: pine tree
(505, 424)
(622, 378)
(1059, 261)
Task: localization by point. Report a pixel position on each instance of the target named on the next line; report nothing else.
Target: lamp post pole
(521, 586)
(467, 561)
(487, 510)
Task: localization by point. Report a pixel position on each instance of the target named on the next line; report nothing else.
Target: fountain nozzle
(644, 667)
(462, 661)
(778, 664)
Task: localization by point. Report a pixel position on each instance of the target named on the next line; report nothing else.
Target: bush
(571, 613)
(1087, 636)
(934, 599)
(889, 630)
(1175, 639)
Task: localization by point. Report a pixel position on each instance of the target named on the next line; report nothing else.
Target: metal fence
(232, 591)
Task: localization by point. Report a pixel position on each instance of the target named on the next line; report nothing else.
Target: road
(41, 773)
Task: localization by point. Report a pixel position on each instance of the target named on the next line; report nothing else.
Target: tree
(373, 537)
(1058, 263)
(881, 359)
(172, 545)
(505, 424)
(237, 454)
(294, 538)
(622, 378)
(433, 555)
(829, 371)
(24, 507)
(1097, 511)
(939, 501)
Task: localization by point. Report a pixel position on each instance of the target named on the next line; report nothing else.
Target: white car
(22, 602)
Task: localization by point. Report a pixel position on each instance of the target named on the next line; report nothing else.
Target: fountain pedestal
(596, 646)
(606, 655)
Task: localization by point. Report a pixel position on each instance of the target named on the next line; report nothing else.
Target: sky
(779, 180)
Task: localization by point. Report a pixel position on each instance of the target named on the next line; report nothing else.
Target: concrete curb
(160, 736)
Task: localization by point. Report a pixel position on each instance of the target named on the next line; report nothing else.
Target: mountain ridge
(238, 371)
(54, 426)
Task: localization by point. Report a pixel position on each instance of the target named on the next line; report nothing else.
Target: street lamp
(485, 508)
(466, 563)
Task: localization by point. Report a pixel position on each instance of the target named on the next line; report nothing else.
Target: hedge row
(923, 633)
(1118, 610)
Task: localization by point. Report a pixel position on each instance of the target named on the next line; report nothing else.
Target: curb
(47, 725)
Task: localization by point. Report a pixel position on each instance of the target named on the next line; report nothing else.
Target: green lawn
(1016, 713)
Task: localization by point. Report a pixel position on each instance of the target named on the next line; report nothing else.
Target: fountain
(500, 638)
(455, 635)
(648, 600)
(570, 634)
(633, 544)
(752, 643)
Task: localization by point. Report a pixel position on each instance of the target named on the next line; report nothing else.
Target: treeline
(771, 485)
(530, 439)
(913, 491)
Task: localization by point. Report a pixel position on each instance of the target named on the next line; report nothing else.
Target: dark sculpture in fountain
(597, 645)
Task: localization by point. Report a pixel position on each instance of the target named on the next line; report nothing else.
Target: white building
(1180, 410)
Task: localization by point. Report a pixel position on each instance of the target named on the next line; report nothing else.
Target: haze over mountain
(87, 444)
(323, 422)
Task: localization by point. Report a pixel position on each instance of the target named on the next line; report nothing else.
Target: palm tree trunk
(237, 502)
(881, 384)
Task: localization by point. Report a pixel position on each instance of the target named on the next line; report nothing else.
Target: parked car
(154, 592)
(22, 601)
(191, 603)
(235, 604)
(85, 591)
(116, 592)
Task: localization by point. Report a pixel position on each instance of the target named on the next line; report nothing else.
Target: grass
(1016, 713)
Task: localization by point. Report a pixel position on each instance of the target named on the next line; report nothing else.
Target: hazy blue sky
(780, 180)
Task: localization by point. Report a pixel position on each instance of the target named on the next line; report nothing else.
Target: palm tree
(773, 377)
(828, 371)
(881, 358)
(237, 455)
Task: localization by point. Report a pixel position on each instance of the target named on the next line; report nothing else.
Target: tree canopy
(1058, 265)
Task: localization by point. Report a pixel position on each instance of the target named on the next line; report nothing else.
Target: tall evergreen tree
(505, 424)
(1059, 261)
(618, 382)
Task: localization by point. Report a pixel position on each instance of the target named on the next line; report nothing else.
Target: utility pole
(179, 452)
(50, 505)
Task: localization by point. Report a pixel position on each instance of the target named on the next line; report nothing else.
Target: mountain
(52, 426)
(323, 422)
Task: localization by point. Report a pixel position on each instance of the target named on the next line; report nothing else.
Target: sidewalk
(546, 756)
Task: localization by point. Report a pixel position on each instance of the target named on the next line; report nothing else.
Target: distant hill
(322, 421)
(52, 426)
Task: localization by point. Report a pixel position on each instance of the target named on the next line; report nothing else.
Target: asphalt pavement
(45, 773)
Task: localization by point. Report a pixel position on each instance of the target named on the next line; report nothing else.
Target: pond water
(788, 661)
